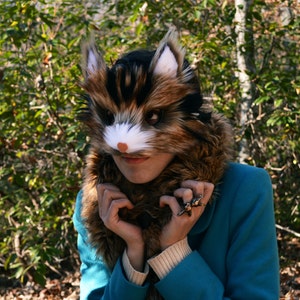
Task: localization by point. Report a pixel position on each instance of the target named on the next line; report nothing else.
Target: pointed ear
(169, 56)
(92, 60)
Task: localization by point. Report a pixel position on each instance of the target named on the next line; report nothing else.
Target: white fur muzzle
(127, 134)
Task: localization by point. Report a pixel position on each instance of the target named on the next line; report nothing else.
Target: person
(220, 249)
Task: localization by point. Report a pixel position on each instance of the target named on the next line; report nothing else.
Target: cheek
(160, 162)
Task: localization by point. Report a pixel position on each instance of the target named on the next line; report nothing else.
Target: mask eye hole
(153, 117)
(109, 117)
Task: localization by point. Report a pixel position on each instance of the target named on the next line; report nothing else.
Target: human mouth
(134, 159)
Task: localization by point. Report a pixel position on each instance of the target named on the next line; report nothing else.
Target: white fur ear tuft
(169, 56)
(92, 60)
(166, 63)
(92, 64)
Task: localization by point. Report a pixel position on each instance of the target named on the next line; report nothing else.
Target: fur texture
(152, 98)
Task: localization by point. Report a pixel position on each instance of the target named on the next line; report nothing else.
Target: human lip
(130, 159)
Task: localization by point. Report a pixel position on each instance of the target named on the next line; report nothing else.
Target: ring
(197, 201)
(187, 207)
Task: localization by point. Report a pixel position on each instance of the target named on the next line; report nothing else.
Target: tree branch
(288, 230)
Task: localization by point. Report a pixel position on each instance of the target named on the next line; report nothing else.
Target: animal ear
(169, 56)
(92, 60)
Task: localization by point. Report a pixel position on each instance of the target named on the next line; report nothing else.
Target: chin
(138, 180)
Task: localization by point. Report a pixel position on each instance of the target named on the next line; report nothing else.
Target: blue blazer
(234, 247)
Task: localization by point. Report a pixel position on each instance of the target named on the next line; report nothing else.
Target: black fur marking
(139, 58)
(191, 103)
(197, 135)
(127, 82)
(84, 114)
(105, 115)
(130, 64)
(204, 117)
(144, 91)
(111, 86)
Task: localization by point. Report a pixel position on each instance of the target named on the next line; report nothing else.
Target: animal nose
(122, 147)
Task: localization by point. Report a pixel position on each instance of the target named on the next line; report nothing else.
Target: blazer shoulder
(240, 180)
(239, 172)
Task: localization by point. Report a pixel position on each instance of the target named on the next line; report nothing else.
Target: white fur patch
(133, 136)
(92, 62)
(166, 64)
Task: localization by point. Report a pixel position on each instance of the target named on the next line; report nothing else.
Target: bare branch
(288, 230)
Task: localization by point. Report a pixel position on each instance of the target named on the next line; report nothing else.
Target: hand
(111, 200)
(179, 226)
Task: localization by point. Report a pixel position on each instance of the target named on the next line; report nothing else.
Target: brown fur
(202, 152)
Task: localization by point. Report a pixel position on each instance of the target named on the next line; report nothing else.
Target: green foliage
(40, 139)
(42, 144)
(275, 138)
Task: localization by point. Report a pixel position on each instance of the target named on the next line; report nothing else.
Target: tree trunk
(246, 67)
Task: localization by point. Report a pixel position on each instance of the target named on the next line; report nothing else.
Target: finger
(200, 189)
(106, 194)
(208, 190)
(108, 198)
(117, 204)
(171, 202)
(196, 186)
(175, 207)
(106, 186)
(103, 195)
(111, 217)
(186, 194)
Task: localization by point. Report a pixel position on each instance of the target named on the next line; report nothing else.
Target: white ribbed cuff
(133, 275)
(167, 260)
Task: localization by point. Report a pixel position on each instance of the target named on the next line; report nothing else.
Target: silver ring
(197, 201)
(187, 207)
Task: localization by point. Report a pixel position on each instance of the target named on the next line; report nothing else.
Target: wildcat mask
(147, 101)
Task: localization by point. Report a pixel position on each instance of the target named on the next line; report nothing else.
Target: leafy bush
(41, 143)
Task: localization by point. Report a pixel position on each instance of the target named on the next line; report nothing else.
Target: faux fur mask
(148, 102)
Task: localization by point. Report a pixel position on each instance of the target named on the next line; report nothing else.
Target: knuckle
(187, 194)
(192, 184)
(106, 194)
(212, 186)
(199, 184)
(114, 204)
(166, 198)
(187, 183)
(100, 187)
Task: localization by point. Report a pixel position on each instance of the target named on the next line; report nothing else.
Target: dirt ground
(289, 251)
(67, 287)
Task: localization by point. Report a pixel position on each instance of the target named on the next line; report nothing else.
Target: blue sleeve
(97, 282)
(252, 259)
(251, 265)
(191, 279)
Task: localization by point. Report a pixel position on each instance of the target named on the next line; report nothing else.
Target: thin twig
(288, 230)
